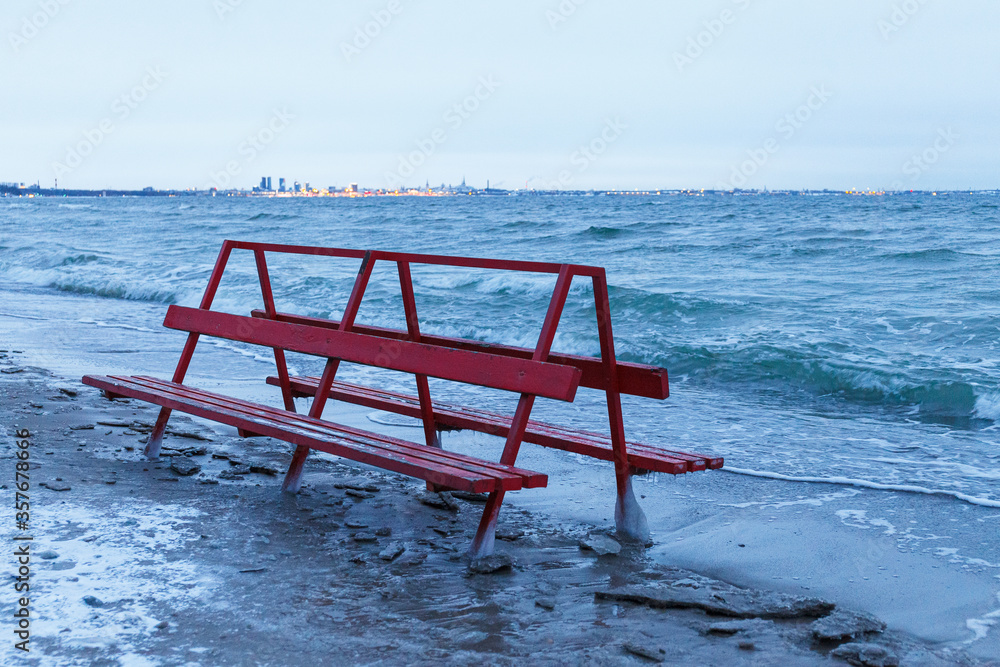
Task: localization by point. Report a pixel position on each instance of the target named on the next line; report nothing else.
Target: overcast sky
(585, 94)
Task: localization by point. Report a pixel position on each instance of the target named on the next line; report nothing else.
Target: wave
(821, 372)
(273, 216)
(865, 484)
(116, 290)
(929, 254)
(988, 406)
(79, 259)
(631, 301)
(605, 232)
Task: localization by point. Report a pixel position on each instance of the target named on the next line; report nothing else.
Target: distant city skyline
(564, 94)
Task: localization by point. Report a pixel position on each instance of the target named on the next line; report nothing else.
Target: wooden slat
(596, 445)
(324, 428)
(480, 368)
(635, 379)
(445, 468)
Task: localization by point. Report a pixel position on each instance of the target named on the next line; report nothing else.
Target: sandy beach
(135, 563)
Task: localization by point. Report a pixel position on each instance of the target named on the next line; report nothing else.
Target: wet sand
(137, 564)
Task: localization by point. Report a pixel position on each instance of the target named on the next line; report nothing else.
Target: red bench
(530, 373)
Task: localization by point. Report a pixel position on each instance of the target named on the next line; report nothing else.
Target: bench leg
(293, 478)
(630, 520)
(482, 543)
(152, 450)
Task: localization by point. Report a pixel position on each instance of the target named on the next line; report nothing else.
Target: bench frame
(604, 373)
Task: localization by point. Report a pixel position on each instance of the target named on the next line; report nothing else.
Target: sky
(568, 94)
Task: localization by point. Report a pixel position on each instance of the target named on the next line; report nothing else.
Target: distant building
(269, 188)
(263, 182)
(353, 187)
(297, 186)
(281, 185)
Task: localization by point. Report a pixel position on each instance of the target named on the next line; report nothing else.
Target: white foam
(981, 626)
(866, 484)
(988, 406)
(859, 519)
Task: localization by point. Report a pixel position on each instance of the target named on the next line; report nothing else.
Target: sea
(851, 341)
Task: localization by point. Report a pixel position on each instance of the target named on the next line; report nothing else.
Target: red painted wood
(269, 309)
(528, 479)
(587, 443)
(635, 379)
(434, 465)
(490, 370)
(411, 258)
(413, 331)
(613, 391)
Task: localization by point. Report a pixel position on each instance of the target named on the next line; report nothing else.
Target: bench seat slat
(528, 478)
(596, 445)
(452, 470)
(481, 368)
(633, 379)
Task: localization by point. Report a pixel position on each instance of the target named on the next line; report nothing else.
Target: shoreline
(237, 572)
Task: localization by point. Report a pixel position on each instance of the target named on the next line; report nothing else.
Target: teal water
(827, 336)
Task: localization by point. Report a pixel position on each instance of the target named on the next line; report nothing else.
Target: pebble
(114, 422)
(469, 496)
(546, 603)
(844, 625)
(653, 653)
(56, 486)
(365, 538)
(865, 654)
(92, 601)
(508, 534)
(370, 488)
(185, 468)
(384, 532)
(491, 564)
(48, 555)
(443, 500)
(392, 552)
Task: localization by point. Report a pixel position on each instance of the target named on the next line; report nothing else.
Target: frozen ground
(134, 564)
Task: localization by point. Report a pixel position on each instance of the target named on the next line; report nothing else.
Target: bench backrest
(550, 380)
(633, 379)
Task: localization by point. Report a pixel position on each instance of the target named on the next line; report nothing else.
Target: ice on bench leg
(152, 450)
(293, 478)
(483, 542)
(630, 520)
